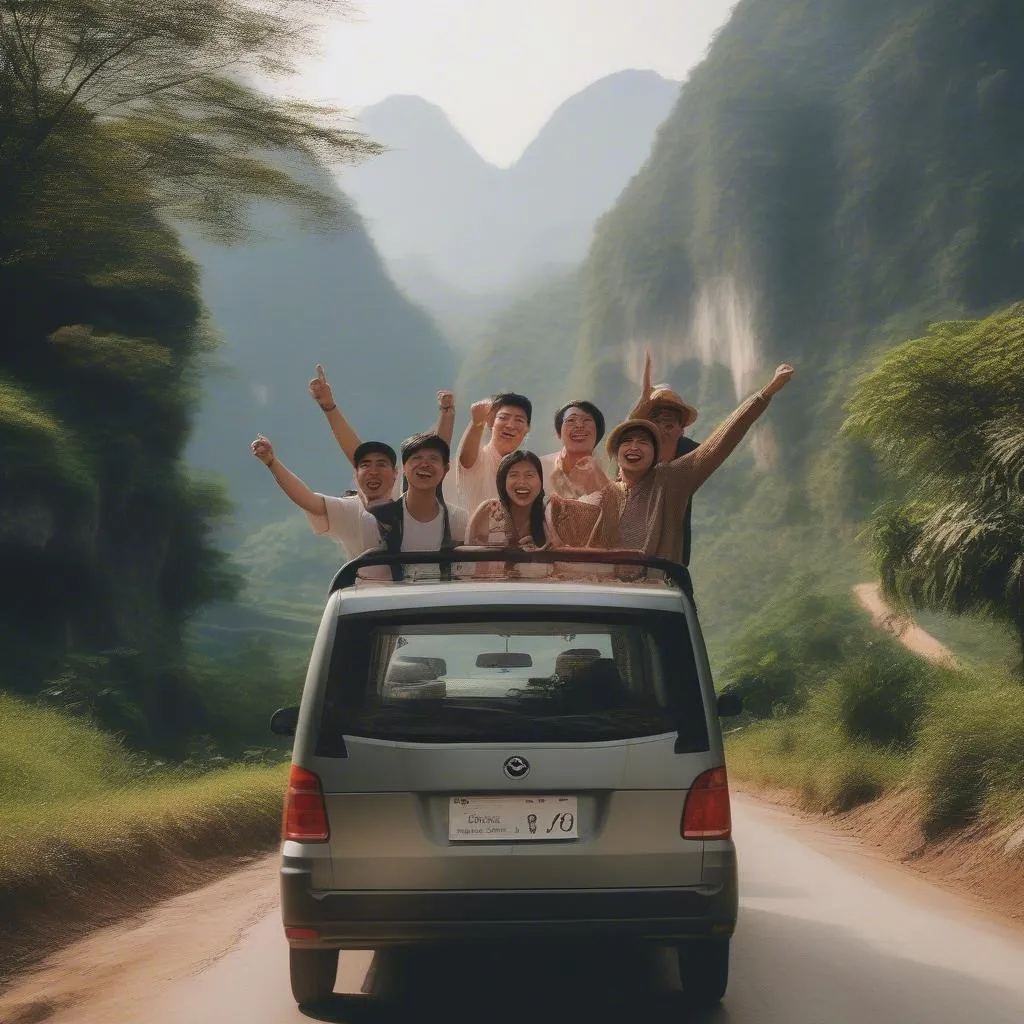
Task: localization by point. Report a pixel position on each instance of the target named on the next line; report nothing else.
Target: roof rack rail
(675, 571)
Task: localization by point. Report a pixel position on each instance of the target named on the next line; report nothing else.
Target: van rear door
(512, 749)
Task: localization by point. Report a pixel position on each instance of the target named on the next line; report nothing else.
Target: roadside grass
(807, 757)
(851, 728)
(90, 831)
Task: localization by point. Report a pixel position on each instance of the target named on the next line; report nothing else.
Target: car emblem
(516, 767)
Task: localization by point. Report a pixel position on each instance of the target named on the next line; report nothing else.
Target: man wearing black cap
(572, 472)
(343, 518)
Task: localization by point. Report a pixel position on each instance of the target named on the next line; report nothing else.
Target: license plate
(512, 818)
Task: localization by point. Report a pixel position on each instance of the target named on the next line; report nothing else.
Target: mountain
(292, 297)
(434, 201)
(528, 346)
(834, 175)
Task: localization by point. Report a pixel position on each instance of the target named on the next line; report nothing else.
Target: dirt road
(828, 933)
(912, 636)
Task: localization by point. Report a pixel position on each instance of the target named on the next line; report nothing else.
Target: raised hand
(263, 450)
(320, 390)
(446, 401)
(783, 374)
(480, 412)
(646, 387)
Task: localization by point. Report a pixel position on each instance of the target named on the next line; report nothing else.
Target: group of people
(499, 495)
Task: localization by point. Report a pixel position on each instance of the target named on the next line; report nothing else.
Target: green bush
(879, 697)
(970, 754)
(780, 659)
(815, 760)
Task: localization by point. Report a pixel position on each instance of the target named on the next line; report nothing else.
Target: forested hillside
(528, 347)
(116, 120)
(836, 171)
(836, 174)
(294, 295)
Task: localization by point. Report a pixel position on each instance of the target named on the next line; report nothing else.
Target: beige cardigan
(670, 485)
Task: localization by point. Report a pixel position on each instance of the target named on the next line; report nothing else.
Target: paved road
(829, 934)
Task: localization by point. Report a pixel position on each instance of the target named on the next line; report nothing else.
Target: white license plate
(512, 818)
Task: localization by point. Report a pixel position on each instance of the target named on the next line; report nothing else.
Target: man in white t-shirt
(344, 519)
(476, 469)
(419, 521)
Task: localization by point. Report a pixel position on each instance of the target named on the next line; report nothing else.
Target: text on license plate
(504, 818)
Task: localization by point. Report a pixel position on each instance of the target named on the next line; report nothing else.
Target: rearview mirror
(504, 659)
(729, 704)
(284, 721)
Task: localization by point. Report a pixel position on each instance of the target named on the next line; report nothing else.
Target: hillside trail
(903, 627)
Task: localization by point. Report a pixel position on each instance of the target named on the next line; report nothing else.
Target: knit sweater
(657, 502)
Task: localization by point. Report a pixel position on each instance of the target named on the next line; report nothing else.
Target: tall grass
(861, 716)
(71, 796)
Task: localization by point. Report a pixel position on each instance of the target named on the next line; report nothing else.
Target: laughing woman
(516, 517)
(520, 517)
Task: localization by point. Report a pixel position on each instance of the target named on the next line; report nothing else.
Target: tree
(945, 415)
(170, 84)
(117, 117)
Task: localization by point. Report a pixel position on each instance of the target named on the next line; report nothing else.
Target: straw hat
(663, 395)
(612, 444)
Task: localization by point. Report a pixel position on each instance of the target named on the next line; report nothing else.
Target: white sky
(499, 68)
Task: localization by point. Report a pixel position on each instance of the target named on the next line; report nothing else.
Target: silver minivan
(531, 758)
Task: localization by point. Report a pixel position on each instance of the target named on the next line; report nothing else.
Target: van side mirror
(729, 704)
(284, 721)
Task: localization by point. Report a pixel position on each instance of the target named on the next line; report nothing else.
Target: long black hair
(537, 508)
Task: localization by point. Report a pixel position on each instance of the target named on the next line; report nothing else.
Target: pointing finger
(320, 372)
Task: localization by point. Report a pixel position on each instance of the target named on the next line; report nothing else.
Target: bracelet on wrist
(271, 462)
(329, 408)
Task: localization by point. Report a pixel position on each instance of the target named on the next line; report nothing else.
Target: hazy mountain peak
(433, 199)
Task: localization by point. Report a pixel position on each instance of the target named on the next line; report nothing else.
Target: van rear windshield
(510, 678)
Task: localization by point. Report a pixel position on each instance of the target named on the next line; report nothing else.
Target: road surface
(829, 934)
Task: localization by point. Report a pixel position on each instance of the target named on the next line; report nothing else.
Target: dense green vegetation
(945, 415)
(113, 117)
(834, 177)
(335, 305)
(90, 831)
(841, 714)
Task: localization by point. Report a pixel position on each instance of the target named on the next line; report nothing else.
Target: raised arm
(347, 438)
(469, 446)
(445, 428)
(292, 486)
(698, 465)
(640, 410)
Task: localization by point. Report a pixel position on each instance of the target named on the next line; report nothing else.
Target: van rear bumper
(373, 919)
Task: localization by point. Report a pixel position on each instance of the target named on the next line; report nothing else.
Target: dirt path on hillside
(903, 627)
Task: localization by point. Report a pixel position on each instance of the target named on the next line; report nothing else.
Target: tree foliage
(945, 414)
(169, 85)
(116, 117)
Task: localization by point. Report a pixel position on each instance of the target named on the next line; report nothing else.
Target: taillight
(706, 814)
(305, 814)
